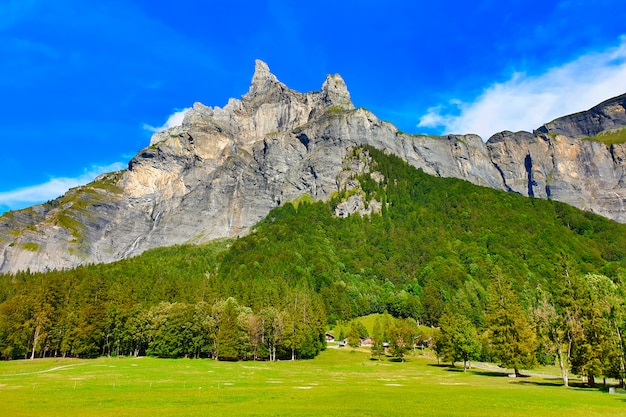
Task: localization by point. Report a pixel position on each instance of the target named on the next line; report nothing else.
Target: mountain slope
(225, 168)
(431, 240)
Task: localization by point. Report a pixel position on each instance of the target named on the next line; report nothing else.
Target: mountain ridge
(225, 168)
(608, 115)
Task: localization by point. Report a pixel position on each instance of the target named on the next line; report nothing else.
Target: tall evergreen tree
(595, 351)
(511, 335)
(377, 340)
(228, 333)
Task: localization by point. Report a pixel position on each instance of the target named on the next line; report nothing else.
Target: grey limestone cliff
(606, 116)
(225, 168)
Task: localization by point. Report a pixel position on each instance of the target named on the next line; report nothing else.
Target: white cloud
(175, 119)
(55, 187)
(526, 102)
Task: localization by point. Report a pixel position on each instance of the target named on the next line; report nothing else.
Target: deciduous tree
(457, 339)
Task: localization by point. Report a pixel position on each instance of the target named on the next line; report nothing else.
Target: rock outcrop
(606, 116)
(225, 168)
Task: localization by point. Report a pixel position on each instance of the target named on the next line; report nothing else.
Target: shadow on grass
(473, 371)
(479, 372)
(581, 385)
(439, 365)
(578, 385)
(482, 372)
(541, 383)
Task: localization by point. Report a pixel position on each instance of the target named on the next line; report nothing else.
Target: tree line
(578, 326)
(47, 323)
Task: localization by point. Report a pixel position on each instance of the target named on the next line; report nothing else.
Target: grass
(368, 321)
(75, 227)
(304, 198)
(610, 137)
(336, 111)
(339, 381)
(419, 135)
(30, 246)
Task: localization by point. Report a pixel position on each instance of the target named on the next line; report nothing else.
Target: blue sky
(83, 82)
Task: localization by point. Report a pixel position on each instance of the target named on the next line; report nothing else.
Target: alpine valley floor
(338, 382)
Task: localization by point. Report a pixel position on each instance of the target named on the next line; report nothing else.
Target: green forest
(505, 278)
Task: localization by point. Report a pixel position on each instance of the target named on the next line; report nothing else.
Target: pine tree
(377, 340)
(511, 336)
(228, 332)
(354, 340)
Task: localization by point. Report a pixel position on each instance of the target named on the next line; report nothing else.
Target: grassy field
(368, 321)
(338, 382)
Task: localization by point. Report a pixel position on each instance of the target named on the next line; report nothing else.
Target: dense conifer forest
(505, 278)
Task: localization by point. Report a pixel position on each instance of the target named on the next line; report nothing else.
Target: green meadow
(338, 382)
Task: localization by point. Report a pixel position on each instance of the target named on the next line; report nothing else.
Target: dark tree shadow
(542, 381)
(545, 383)
(492, 374)
(473, 371)
(440, 365)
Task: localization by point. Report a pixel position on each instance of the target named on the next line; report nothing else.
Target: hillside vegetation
(440, 252)
(611, 137)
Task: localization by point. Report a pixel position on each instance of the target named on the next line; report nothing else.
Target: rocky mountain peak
(224, 169)
(335, 92)
(263, 79)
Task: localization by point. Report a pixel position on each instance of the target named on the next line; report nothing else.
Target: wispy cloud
(55, 187)
(175, 119)
(525, 102)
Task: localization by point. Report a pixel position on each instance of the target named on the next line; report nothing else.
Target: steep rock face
(225, 168)
(585, 174)
(355, 165)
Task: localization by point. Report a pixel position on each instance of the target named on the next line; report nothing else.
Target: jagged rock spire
(262, 79)
(225, 168)
(335, 92)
